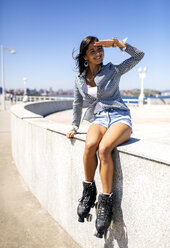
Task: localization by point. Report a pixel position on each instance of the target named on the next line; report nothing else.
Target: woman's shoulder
(77, 77)
(109, 66)
(80, 75)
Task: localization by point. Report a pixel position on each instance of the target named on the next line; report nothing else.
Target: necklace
(91, 80)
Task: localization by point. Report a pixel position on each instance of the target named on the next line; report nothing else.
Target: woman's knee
(104, 151)
(90, 147)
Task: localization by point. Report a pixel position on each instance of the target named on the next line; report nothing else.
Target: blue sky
(44, 34)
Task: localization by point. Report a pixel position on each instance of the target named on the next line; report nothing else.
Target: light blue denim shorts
(109, 117)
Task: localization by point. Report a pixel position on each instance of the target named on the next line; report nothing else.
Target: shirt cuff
(74, 128)
(124, 48)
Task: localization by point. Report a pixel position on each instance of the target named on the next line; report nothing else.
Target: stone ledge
(20, 111)
(140, 148)
(145, 149)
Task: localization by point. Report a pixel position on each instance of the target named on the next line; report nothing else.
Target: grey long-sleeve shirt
(107, 81)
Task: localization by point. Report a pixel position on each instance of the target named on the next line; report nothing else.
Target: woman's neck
(93, 69)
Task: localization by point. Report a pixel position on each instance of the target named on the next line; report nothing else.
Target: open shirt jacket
(107, 81)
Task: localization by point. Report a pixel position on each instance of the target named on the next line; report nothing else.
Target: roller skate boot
(87, 201)
(104, 214)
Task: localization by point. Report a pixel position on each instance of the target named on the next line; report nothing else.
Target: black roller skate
(104, 214)
(87, 201)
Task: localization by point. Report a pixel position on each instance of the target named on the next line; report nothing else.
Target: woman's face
(94, 54)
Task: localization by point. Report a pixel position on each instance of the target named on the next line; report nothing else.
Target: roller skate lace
(85, 199)
(104, 208)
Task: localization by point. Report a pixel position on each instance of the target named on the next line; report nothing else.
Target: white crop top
(93, 92)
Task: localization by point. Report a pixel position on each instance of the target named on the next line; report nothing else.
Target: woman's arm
(128, 64)
(77, 107)
(77, 112)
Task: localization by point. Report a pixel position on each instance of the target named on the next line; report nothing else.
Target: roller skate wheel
(96, 204)
(106, 235)
(94, 232)
(99, 235)
(80, 219)
(89, 218)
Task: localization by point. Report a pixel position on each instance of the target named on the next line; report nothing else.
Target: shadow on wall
(117, 230)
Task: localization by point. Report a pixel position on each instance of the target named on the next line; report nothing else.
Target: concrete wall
(158, 101)
(51, 166)
(46, 108)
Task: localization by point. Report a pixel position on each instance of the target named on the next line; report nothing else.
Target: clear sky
(44, 33)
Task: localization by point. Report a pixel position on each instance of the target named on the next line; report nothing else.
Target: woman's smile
(99, 58)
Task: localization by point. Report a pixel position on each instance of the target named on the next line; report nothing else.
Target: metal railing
(62, 98)
(42, 98)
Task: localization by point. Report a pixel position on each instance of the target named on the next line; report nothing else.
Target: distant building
(165, 93)
(60, 92)
(31, 91)
(51, 92)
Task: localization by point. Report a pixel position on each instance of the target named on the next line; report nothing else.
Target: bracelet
(113, 40)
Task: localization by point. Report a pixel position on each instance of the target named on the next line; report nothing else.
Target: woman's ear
(85, 57)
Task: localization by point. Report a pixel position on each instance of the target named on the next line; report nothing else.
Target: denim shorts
(109, 117)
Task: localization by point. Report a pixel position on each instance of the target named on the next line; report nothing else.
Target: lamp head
(140, 69)
(13, 51)
(24, 79)
(145, 69)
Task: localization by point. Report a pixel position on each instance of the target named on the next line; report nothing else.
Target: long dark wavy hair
(82, 52)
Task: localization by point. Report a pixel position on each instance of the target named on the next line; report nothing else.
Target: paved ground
(23, 222)
(150, 122)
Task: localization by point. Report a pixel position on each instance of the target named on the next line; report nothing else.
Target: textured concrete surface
(23, 222)
(52, 167)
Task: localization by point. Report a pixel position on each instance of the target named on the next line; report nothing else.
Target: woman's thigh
(94, 136)
(117, 134)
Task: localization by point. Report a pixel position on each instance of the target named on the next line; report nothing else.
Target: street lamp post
(25, 82)
(25, 98)
(2, 70)
(142, 75)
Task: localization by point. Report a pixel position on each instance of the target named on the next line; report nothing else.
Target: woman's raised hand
(113, 42)
(106, 43)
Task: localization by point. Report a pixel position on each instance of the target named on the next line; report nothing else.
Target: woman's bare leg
(115, 135)
(93, 138)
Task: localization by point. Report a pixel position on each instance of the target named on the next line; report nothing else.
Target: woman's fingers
(104, 43)
(70, 134)
(107, 43)
(113, 42)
